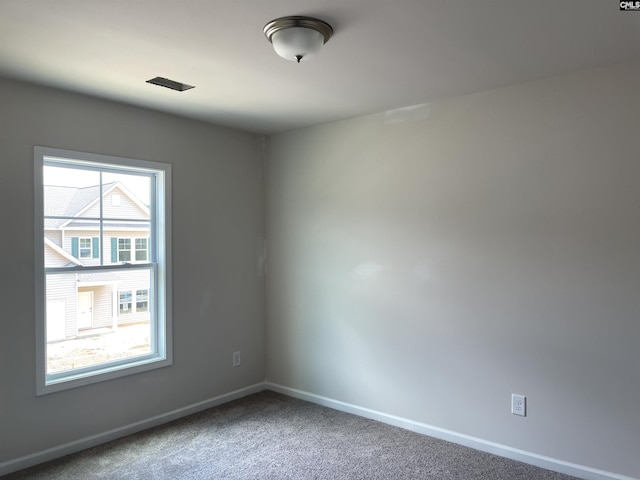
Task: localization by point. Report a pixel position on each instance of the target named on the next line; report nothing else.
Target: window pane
(85, 247)
(124, 250)
(82, 330)
(142, 300)
(137, 186)
(141, 249)
(66, 191)
(129, 341)
(68, 179)
(124, 302)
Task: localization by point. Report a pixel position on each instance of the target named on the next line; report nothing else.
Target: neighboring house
(77, 302)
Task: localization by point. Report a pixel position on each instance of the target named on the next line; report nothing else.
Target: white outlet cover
(518, 404)
(236, 359)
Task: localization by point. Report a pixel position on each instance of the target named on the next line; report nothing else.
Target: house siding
(55, 236)
(126, 209)
(53, 259)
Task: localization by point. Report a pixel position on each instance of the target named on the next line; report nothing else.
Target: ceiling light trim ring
(293, 21)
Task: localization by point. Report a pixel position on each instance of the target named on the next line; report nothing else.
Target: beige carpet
(272, 436)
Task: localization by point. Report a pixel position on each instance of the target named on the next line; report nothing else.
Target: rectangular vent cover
(173, 85)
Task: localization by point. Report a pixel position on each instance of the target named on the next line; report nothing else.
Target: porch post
(114, 313)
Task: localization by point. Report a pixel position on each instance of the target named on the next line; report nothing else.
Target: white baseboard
(88, 442)
(580, 471)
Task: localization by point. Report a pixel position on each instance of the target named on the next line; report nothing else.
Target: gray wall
(424, 263)
(217, 294)
(427, 263)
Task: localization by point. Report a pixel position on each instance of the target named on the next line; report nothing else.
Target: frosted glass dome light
(295, 38)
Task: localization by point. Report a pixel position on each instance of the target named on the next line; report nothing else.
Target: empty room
(354, 239)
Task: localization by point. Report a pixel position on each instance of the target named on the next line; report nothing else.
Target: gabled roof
(72, 201)
(68, 201)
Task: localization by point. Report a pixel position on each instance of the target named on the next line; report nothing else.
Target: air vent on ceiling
(173, 85)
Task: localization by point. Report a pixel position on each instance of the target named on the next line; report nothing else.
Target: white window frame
(135, 249)
(159, 255)
(136, 300)
(125, 250)
(120, 302)
(80, 239)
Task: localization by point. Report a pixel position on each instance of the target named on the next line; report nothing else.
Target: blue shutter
(114, 250)
(74, 247)
(96, 247)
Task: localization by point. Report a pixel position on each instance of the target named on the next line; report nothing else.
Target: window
(141, 249)
(142, 300)
(85, 248)
(124, 252)
(124, 249)
(99, 268)
(124, 302)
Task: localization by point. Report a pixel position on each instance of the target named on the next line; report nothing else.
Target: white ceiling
(385, 54)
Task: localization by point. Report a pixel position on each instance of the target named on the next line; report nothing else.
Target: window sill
(73, 379)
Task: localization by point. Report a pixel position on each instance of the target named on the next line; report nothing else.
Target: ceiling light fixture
(296, 37)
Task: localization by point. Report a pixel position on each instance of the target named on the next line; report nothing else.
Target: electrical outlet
(518, 404)
(236, 359)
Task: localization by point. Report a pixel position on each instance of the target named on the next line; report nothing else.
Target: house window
(124, 249)
(85, 247)
(124, 302)
(93, 259)
(142, 300)
(141, 249)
